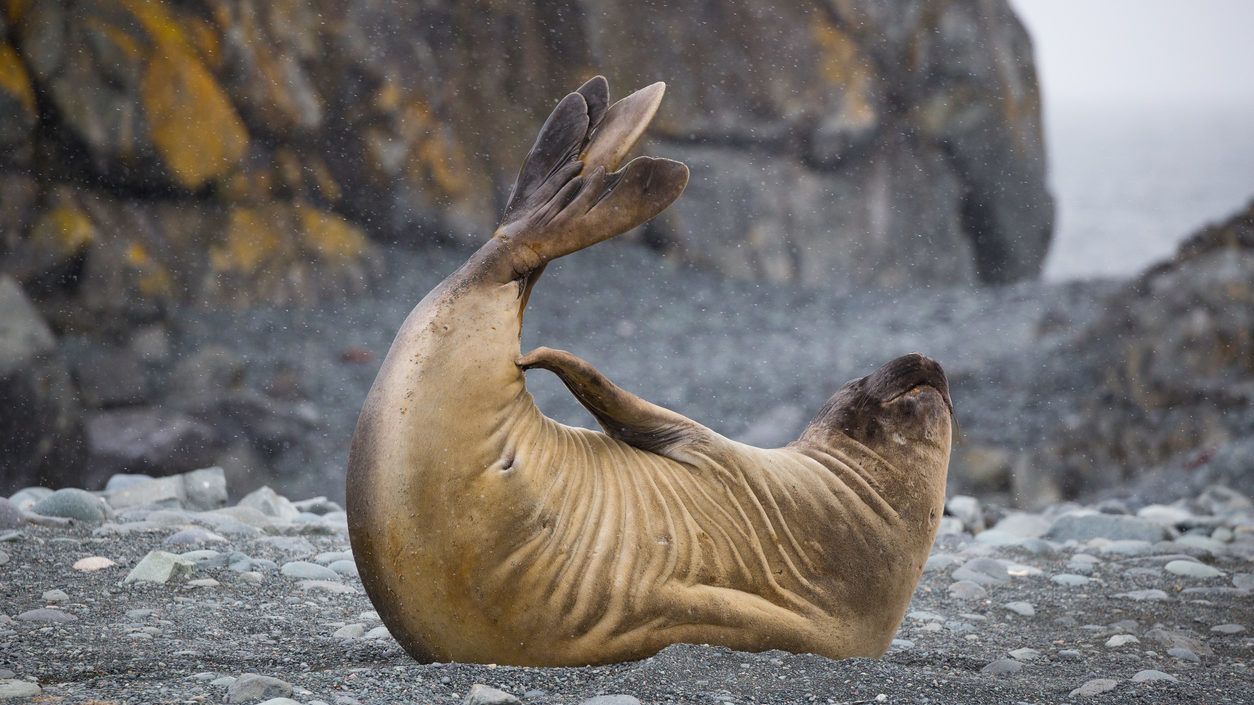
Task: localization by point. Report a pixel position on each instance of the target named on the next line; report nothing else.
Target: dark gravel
(193, 635)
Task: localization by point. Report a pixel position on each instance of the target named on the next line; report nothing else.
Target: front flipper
(622, 414)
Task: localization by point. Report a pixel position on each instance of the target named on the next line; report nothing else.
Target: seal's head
(902, 412)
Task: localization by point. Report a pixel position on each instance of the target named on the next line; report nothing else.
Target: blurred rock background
(164, 160)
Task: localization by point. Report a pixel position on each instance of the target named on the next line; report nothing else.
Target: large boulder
(1173, 357)
(242, 150)
(40, 430)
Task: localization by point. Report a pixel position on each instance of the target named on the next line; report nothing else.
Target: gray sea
(1131, 184)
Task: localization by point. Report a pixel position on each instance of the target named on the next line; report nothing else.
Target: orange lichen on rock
(194, 126)
(64, 231)
(436, 158)
(252, 239)
(841, 64)
(331, 237)
(14, 80)
(15, 10)
(151, 278)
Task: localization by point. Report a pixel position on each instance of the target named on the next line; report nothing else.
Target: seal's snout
(906, 373)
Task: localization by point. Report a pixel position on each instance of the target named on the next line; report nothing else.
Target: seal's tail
(568, 195)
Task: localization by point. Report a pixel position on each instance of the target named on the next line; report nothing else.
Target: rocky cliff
(159, 151)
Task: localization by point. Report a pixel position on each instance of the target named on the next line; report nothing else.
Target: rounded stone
(967, 590)
(10, 516)
(1097, 686)
(46, 615)
(1002, 667)
(486, 695)
(252, 686)
(304, 570)
(71, 503)
(13, 689)
(1023, 609)
(52, 596)
(92, 564)
(192, 536)
(1184, 654)
(350, 631)
(1152, 675)
(346, 568)
(1193, 569)
(1227, 629)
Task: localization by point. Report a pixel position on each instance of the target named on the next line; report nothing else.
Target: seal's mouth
(905, 374)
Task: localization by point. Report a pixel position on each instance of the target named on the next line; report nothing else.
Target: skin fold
(486, 532)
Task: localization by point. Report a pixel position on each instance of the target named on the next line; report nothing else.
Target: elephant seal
(486, 532)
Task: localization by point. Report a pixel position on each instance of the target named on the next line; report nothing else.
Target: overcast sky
(1142, 52)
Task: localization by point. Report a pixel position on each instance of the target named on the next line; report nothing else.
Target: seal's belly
(595, 547)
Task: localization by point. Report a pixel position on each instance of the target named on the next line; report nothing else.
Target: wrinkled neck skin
(462, 494)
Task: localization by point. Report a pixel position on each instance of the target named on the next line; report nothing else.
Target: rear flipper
(622, 414)
(567, 196)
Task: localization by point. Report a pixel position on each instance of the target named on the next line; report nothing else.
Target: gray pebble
(280, 701)
(1184, 654)
(1192, 569)
(55, 596)
(1119, 640)
(1002, 667)
(1227, 629)
(10, 516)
(222, 681)
(1025, 654)
(1096, 686)
(203, 583)
(1069, 655)
(346, 568)
(1023, 609)
(901, 645)
(192, 536)
(72, 503)
(304, 570)
(938, 562)
(983, 571)
(485, 695)
(350, 631)
(13, 689)
(1152, 675)
(250, 687)
(329, 557)
(967, 590)
(378, 633)
(205, 559)
(1071, 579)
(46, 615)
